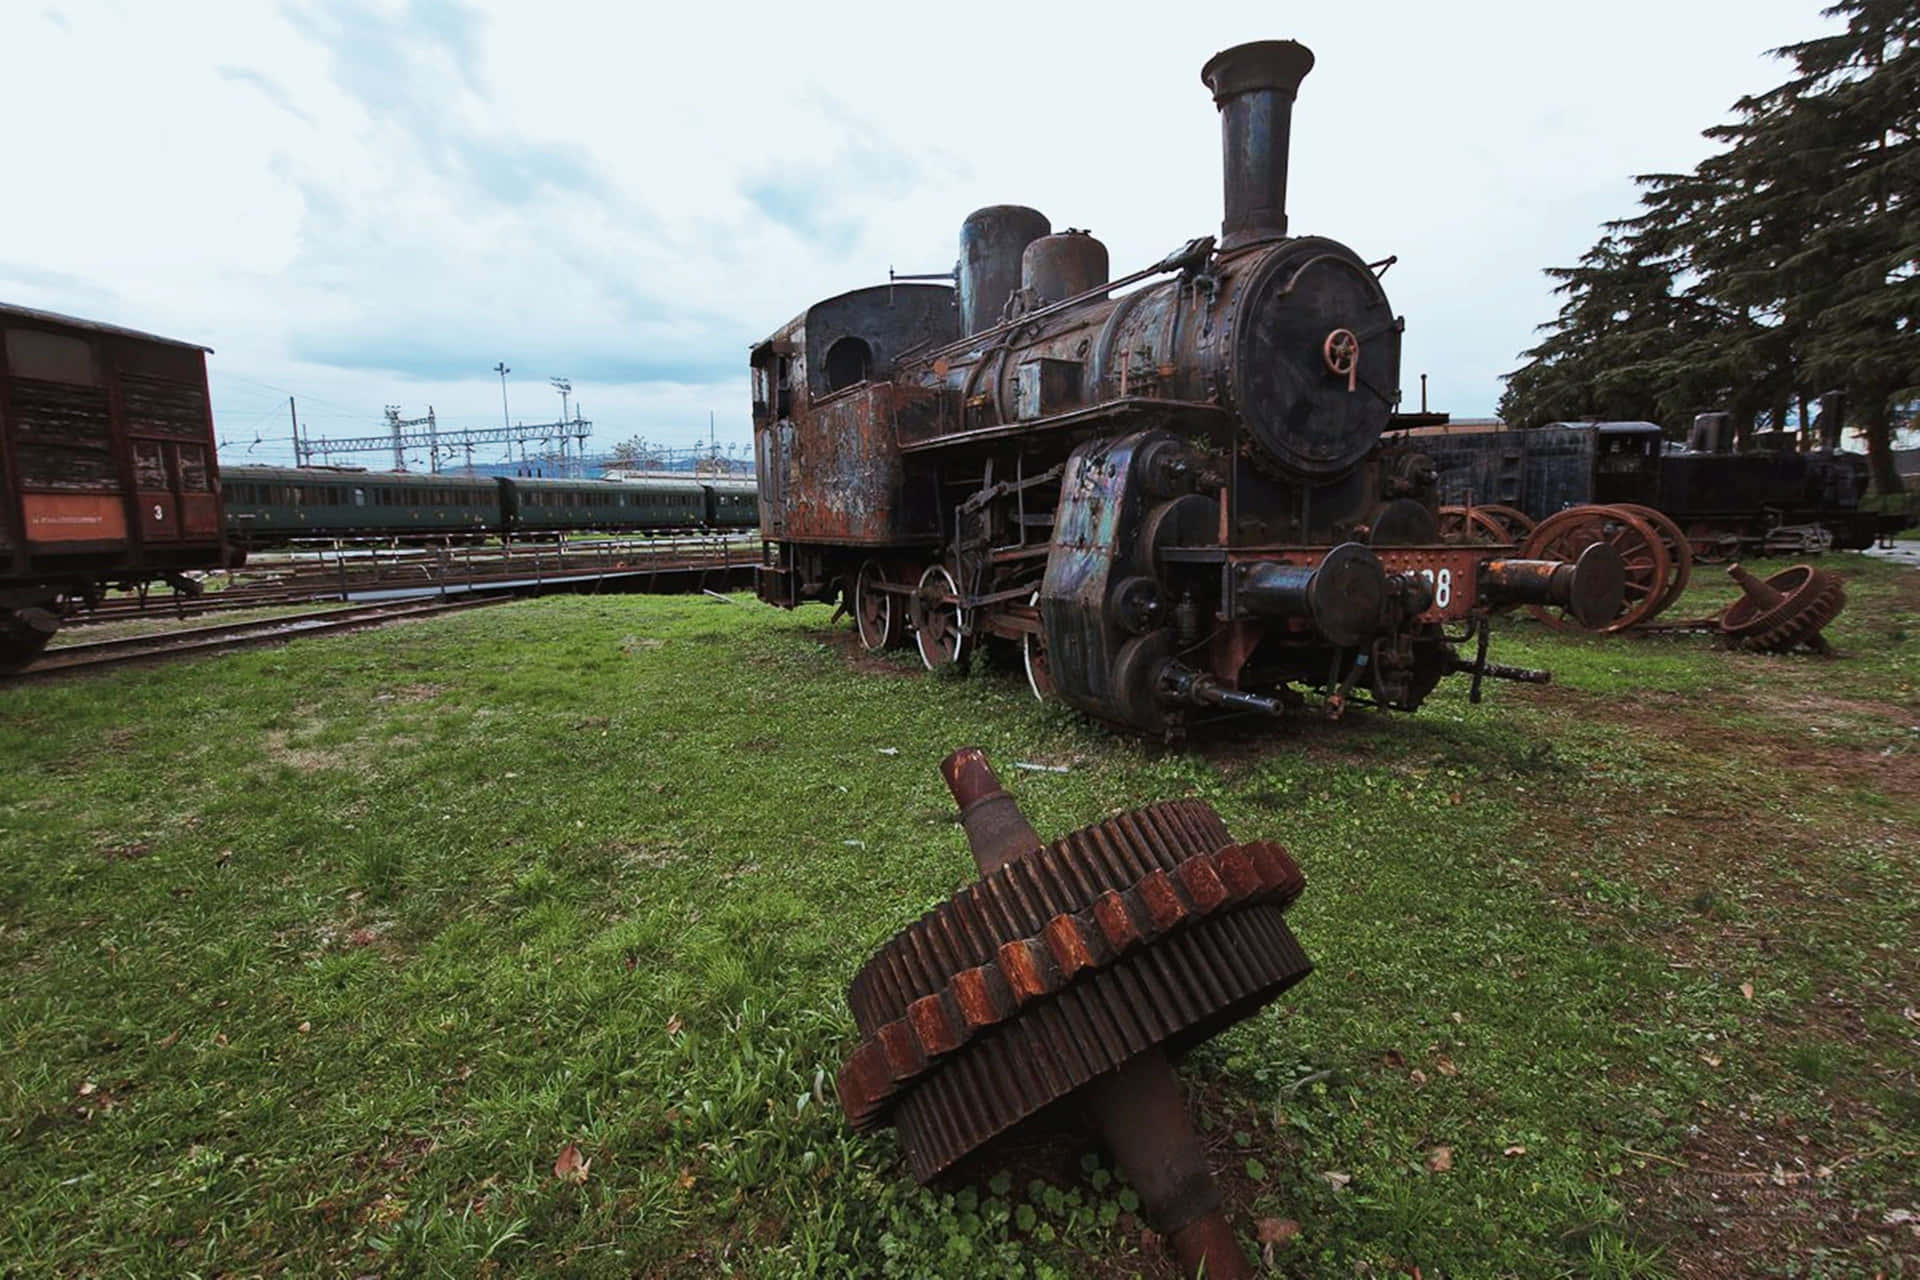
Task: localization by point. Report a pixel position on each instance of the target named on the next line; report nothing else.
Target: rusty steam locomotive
(1169, 489)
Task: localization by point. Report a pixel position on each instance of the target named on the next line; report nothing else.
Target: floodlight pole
(565, 388)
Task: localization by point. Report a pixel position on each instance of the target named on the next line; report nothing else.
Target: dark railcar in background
(1546, 469)
(1772, 498)
(268, 506)
(272, 506)
(108, 473)
(558, 506)
(732, 503)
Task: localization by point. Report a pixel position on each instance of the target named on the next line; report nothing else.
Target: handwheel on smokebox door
(1565, 534)
(937, 623)
(1679, 551)
(876, 614)
(1033, 649)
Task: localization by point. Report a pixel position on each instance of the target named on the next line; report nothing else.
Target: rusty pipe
(1137, 1108)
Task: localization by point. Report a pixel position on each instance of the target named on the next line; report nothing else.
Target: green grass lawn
(318, 959)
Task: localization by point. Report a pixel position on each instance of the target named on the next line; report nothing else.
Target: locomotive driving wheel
(1712, 545)
(1033, 650)
(876, 614)
(1565, 534)
(938, 622)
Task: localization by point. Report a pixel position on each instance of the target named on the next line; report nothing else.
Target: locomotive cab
(824, 402)
(1626, 462)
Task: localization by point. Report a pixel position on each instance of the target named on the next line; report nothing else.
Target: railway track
(310, 577)
(225, 637)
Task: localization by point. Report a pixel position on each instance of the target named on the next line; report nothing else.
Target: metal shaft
(996, 830)
(1147, 1130)
(1756, 589)
(1137, 1109)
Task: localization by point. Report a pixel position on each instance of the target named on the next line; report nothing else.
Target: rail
(198, 641)
(348, 573)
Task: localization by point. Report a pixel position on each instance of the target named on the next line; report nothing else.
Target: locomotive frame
(1169, 489)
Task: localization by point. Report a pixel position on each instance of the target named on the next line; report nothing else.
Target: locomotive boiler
(1168, 489)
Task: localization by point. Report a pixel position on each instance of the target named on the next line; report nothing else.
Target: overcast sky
(372, 202)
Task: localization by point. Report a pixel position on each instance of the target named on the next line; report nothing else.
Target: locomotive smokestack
(1254, 86)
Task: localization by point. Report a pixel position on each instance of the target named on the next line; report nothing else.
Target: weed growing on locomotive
(1169, 489)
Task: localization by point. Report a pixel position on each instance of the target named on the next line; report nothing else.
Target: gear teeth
(1121, 936)
(1791, 633)
(1176, 994)
(1812, 598)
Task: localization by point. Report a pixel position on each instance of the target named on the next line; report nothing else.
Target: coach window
(848, 361)
(359, 497)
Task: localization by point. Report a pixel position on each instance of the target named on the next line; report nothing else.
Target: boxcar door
(193, 486)
(153, 492)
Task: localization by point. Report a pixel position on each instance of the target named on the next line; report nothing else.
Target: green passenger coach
(267, 506)
(272, 504)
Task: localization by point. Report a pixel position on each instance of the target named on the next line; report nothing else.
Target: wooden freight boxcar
(108, 476)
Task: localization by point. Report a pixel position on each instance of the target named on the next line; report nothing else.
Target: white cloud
(373, 202)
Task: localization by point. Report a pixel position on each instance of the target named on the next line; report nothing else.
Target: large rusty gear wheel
(1789, 609)
(1074, 970)
(1029, 932)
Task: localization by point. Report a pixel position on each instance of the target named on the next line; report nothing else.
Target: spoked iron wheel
(1565, 534)
(1712, 545)
(1471, 524)
(1518, 523)
(876, 614)
(1033, 648)
(936, 619)
(1679, 551)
